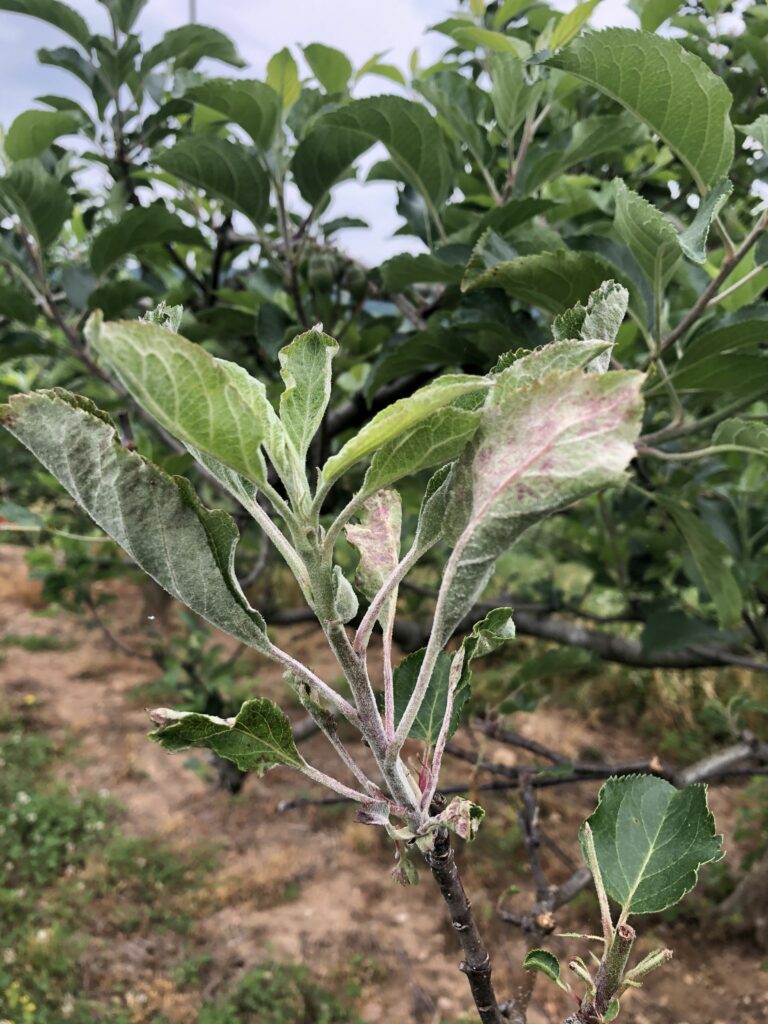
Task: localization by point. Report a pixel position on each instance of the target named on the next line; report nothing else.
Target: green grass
(34, 643)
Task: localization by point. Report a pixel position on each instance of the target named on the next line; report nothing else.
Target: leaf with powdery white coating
(257, 739)
(305, 366)
(558, 356)
(399, 418)
(600, 318)
(377, 538)
(642, 71)
(156, 518)
(209, 403)
(540, 447)
(650, 840)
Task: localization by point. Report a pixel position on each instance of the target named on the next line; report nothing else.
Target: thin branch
(729, 263)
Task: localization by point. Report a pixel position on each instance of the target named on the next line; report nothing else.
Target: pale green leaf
(544, 442)
(257, 739)
(473, 36)
(745, 433)
(653, 13)
(423, 268)
(331, 67)
(510, 92)
(399, 418)
(34, 131)
(693, 241)
(305, 366)
(642, 71)
(554, 281)
(209, 403)
(283, 77)
(157, 519)
(138, 228)
(61, 15)
(188, 45)
(648, 234)
(39, 201)
(345, 601)
(438, 439)
(416, 144)
(570, 24)
(227, 170)
(711, 558)
(650, 840)
(252, 105)
(757, 130)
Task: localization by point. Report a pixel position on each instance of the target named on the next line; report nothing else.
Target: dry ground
(310, 885)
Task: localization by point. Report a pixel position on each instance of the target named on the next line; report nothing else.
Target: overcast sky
(260, 28)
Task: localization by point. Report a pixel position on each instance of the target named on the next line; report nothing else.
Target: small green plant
(504, 462)
(278, 993)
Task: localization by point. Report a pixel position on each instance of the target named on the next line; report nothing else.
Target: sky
(261, 27)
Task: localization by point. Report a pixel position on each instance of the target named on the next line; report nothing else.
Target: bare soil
(311, 885)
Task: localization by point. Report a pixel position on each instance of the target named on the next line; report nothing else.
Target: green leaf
(570, 24)
(126, 12)
(650, 237)
(712, 559)
(426, 726)
(554, 281)
(416, 144)
(39, 201)
(525, 463)
(258, 739)
(461, 107)
(399, 418)
(653, 13)
(305, 366)
(138, 228)
(16, 304)
(614, 1008)
(209, 403)
(727, 358)
(405, 269)
(745, 433)
(188, 45)
(546, 963)
(55, 13)
(650, 840)
(489, 634)
(486, 636)
(283, 77)
(156, 518)
(693, 241)
(510, 92)
(757, 130)
(253, 105)
(34, 131)
(440, 438)
(331, 67)
(601, 318)
(642, 71)
(227, 170)
(473, 37)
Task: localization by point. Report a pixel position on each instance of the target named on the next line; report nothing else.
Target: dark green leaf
(693, 241)
(256, 740)
(138, 228)
(55, 13)
(252, 105)
(650, 840)
(186, 46)
(39, 201)
(227, 170)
